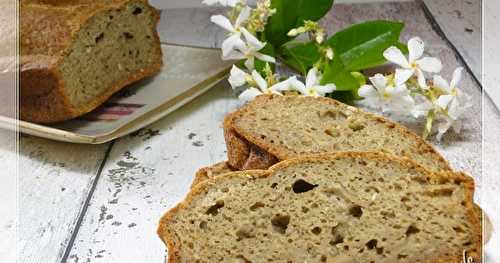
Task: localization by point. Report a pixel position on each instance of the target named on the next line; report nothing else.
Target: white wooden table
(101, 203)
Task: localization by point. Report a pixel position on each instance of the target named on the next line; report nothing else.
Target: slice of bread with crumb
(345, 207)
(273, 128)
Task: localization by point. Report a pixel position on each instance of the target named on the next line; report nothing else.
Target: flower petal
(281, 86)
(443, 101)
(233, 55)
(379, 81)
(265, 58)
(457, 76)
(237, 77)
(252, 41)
(223, 22)
(440, 83)
(367, 91)
(394, 55)
(421, 79)
(429, 64)
(415, 49)
(297, 85)
(243, 16)
(329, 88)
(403, 75)
(261, 82)
(249, 94)
(250, 63)
(231, 43)
(312, 77)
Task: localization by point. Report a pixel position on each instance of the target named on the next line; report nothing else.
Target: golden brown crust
(209, 172)
(169, 237)
(48, 28)
(239, 136)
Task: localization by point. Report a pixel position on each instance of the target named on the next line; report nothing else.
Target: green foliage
(361, 46)
(291, 14)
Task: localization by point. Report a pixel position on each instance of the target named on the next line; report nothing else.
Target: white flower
(414, 65)
(231, 3)
(234, 38)
(449, 102)
(258, 85)
(386, 94)
(249, 51)
(312, 86)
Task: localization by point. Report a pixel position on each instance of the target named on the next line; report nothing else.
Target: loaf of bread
(273, 128)
(344, 207)
(76, 53)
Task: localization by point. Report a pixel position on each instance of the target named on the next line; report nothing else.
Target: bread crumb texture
(290, 126)
(348, 207)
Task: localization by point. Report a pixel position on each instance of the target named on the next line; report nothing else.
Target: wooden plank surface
(54, 182)
(8, 193)
(150, 172)
(491, 54)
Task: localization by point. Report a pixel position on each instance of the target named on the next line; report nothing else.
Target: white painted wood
(460, 21)
(54, 181)
(8, 192)
(151, 172)
(491, 44)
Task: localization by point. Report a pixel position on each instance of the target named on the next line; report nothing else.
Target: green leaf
(336, 73)
(361, 46)
(300, 56)
(291, 14)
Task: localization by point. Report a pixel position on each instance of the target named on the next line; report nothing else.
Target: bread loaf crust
(48, 29)
(239, 141)
(170, 238)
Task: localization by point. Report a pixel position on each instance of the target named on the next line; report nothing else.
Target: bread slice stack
(335, 184)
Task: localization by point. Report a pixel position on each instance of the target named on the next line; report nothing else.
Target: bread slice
(76, 54)
(273, 128)
(345, 207)
(209, 172)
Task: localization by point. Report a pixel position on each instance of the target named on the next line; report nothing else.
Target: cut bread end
(346, 207)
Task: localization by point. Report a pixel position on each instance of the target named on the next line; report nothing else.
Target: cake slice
(273, 128)
(345, 207)
(76, 54)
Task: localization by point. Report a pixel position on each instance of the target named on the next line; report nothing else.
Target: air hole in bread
(280, 223)
(371, 244)
(356, 211)
(274, 185)
(137, 11)
(127, 35)
(411, 230)
(99, 37)
(256, 206)
(301, 186)
(316, 230)
(214, 210)
(402, 256)
(203, 225)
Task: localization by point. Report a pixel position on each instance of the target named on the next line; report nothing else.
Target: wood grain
(54, 182)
